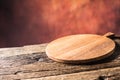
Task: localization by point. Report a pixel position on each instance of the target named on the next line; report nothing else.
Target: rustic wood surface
(31, 63)
(81, 48)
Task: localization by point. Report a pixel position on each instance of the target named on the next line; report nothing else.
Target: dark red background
(24, 22)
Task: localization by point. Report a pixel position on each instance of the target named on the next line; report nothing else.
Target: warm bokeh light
(37, 21)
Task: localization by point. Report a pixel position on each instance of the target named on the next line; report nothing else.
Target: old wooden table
(31, 63)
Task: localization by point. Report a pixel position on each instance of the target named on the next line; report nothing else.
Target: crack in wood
(111, 77)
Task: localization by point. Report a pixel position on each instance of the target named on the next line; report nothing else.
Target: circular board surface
(80, 48)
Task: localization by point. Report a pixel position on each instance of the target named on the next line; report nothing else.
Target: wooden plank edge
(7, 52)
(101, 74)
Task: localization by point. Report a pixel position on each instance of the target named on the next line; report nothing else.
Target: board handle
(111, 35)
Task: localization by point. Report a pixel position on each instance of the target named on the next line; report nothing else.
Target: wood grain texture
(114, 74)
(36, 65)
(80, 48)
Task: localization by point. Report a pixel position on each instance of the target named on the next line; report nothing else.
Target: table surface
(31, 63)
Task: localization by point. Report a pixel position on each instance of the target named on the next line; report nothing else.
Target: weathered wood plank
(32, 62)
(7, 52)
(48, 69)
(102, 74)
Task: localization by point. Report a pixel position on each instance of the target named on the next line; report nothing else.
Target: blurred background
(26, 22)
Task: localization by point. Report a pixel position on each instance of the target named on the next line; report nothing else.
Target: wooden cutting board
(81, 48)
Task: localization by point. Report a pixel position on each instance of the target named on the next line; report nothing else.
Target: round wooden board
(80, 48)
